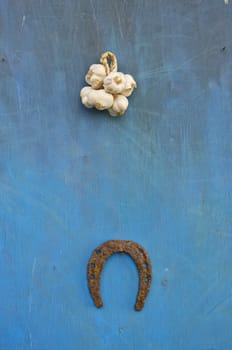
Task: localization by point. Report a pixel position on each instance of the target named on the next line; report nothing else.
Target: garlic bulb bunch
(108, 88)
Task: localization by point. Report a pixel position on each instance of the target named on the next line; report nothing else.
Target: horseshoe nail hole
(145, 265)
(147, 279)
(92, 265)
(98, 251)
(92, 276)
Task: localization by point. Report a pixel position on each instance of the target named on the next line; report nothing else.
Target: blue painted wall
(71, 178)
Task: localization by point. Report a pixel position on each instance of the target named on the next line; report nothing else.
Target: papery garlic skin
(129, 86)
(115, 83)
(96, 98)
(95, 76)
(119, 106)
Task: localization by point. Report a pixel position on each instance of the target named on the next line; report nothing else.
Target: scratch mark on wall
(173, 68)
(30, 337)
(119, 21)
(35, 201)
(96, 22)
(30, 292)
(23, 20)
(33, 267)
(228, 297)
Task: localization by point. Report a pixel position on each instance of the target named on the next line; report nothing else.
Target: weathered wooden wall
(71, 178)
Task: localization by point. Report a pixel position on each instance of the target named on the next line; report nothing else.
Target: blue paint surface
(72, 178)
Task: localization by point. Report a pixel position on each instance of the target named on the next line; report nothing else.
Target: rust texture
(103, 252)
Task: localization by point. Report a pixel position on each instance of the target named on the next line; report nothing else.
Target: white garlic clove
(84, 96)
(95, 76)
(100, 99)
(119, 106)
(85, 90)
(115, 83)
(129, 86)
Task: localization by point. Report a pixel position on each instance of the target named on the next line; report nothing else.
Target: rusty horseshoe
(103, 252)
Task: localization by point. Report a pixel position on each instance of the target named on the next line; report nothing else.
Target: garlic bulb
(115, 83)
(95, 76)
(108, 88)
(130, 85)
(119, 106)
(84, 96)
(96, 98)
